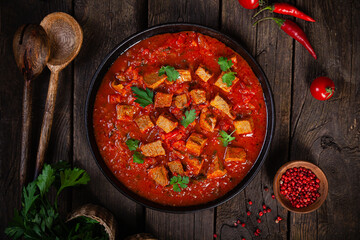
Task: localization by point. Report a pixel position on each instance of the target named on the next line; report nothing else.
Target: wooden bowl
(323, 190)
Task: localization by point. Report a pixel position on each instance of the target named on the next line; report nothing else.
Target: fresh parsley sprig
(170, 72)
(225, 66)
(226, 138)
(39, 217)
(189, 118)
(143, 97)
(179, 182)
(133, 144)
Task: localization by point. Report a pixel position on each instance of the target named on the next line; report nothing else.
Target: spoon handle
(26, 132)
(47, 121)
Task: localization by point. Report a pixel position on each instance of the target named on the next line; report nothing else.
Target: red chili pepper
(294, 31)
(287, 9)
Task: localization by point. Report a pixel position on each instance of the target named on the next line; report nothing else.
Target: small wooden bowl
(323, 190)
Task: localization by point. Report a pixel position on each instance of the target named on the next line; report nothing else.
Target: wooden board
(105, 24)
(327, 133)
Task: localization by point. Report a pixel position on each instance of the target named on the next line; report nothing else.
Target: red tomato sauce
(184, 50)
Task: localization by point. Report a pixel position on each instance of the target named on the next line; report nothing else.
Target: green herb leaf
(171, 73)
(143, 97)
(16, 227)
(45, 179)
(29, 196)
(138, 157)
(72, 178)
(132, 144)
(226, 138)
(189, 118)
(224, 63)
(179, 182)
(228, 78)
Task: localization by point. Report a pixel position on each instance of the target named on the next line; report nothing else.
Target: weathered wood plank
(105, 24)
(273, 50)
(194, 225)
(327, 133)
(13, 14)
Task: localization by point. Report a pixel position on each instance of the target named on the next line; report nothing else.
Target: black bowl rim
(177, 27)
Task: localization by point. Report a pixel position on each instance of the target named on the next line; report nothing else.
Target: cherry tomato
(322, 88)
(249, 4)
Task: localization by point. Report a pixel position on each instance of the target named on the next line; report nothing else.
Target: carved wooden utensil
(66, 37)
(31, 49)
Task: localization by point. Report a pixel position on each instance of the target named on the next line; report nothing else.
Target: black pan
(171, 28)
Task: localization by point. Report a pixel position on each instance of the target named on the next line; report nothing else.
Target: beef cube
(125, 112)
(244, 126)
(144, 123)
(207, 120)
(181, 101)
(185, 76)
(216, 168)
(219, 83)
(176, 167)
(166, 124)
(163, 99)
(219, 103)
(235, 154)
(195, 143)
(203, 74)
(159, 175)
(198, 96)
(153, 80)
(153, 149)
(194, 166)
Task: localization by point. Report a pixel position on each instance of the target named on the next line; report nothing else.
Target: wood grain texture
(193, 225)
(105, 24)
(13, 14)
(327, 133)
(273, 51)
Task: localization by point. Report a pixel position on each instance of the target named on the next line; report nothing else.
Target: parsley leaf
(143, 97)
(132, 144)
(224, 63)
(228, 78)
(29, 196)
(226, 138)
(138, 157)
(179, 182)
(171, 73)
(45, 179)
(189, 118)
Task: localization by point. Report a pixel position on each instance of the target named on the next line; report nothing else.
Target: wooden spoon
(66, 37)
(31, 49)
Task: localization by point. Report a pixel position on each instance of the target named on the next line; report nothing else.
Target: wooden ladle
(66, 37)
(31, 49)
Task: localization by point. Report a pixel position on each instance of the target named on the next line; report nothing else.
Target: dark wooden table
(325, 133)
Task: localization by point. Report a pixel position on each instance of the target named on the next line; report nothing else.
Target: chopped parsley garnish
(189, 118)
(228, 78)
(143, 97)
(179, 182)
(224, 63)
(132, 144)
(138, 157)
(225, 66)
(226, 138)
(170, 71)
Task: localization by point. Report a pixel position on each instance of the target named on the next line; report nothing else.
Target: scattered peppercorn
(238, 222)
(258, 220)
(268, 210)
(243, 239)
(261, 213)
(235, 224)
(248, 213)
(243, 225)
(273, 196)
(300, 186)
(278, 219)
(266, 189)
(215, 235)
(250, 202)
(264, 206)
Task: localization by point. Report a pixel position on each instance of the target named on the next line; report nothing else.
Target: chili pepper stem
(271, 8)
(278, 21)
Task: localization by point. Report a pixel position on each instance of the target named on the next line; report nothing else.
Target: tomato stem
(330, 92)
